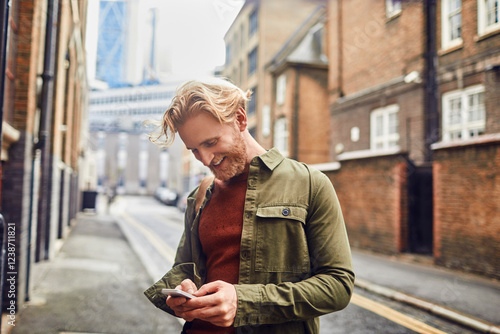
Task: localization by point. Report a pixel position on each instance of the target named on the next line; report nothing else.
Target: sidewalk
(94, 284)
(468, 299)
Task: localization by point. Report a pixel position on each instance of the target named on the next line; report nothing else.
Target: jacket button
(285, 212)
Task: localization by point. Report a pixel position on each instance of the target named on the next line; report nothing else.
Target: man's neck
(254, 149)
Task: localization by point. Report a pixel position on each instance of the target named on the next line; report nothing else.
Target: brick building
(466, 166)
(299, 110)
(44, 113)
(413, 95)
(378, 63)
(258, 32)
(409, 96)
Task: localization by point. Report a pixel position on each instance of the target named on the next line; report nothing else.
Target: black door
(420, 220)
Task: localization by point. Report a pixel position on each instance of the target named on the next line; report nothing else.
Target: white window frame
(483, 27)
(266, 120)
(381, 136)
(281, 135)
(392, 8)
(446, 41)
(280, 89)
(462, 128)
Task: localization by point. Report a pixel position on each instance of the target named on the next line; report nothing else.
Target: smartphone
(177, 293)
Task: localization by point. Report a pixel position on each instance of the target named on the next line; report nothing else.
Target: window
(488, 12)
(252, 61)
(317, 36)
(242, 72)
(281, 135)
(266, 120)
(228, 54)
(253, 23)
(451, 23)
(384, 126)
(392, 8)
(252, 104)
(280, 89)
(464, 114)
(242, 36)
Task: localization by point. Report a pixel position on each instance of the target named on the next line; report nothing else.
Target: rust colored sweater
(220, 229)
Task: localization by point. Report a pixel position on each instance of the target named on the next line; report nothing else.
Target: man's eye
(211, 143)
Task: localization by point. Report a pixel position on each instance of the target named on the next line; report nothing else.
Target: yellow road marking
(393, 315)
(166, 251)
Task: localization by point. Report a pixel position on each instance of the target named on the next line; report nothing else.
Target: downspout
(431, 99)
(44, 143)
(4, 21)
(296, 108)
(340, 49)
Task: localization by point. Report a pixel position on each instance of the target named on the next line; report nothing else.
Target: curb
(441, 311)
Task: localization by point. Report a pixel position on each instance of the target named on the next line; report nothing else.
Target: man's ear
(241, 119)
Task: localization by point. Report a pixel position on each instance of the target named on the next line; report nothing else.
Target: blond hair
(215, 96)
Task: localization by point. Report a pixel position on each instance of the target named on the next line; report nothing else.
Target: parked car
(166, 196)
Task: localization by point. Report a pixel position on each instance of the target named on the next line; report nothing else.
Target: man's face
(220, 147)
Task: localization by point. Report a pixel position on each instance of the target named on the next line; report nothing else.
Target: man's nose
(205, 157)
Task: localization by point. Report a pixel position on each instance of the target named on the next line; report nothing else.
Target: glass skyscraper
(111, 44)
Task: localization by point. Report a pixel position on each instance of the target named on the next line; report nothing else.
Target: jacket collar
(271, 158)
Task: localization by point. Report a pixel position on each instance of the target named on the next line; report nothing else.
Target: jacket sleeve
(183, 268)
(331, 282)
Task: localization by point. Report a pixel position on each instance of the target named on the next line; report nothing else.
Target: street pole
(44, 143)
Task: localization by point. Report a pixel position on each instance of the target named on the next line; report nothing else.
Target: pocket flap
(283, 211)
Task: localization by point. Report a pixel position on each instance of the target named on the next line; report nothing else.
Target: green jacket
(295, 262)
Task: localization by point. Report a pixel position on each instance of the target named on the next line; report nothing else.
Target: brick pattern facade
(277, 20)
(466, 209)
(366, 48)
(467, 213)
(369, 58)
(314, 120)
(372, 194)
(22, 177)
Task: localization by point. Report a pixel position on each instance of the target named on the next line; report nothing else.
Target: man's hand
(216, 303)
(177, 304)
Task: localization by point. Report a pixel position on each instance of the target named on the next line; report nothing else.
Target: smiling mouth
(219, 162)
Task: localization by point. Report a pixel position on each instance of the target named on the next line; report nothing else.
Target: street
(154, 230)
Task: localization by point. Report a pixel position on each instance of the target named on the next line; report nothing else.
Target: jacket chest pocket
(281, 240)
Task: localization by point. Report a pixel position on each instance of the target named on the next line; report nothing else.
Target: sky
(190, 31)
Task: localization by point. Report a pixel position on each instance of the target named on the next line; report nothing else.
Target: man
(264, 248)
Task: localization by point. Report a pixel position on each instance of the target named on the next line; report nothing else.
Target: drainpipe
(340, 50)
(4, 23)
(44, 143)
(431, 87)
(296, 107)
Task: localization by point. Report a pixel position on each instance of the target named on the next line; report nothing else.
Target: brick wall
(25, 29)
(466, 210)
(371, 45)
(372, 194)
(314, 118)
